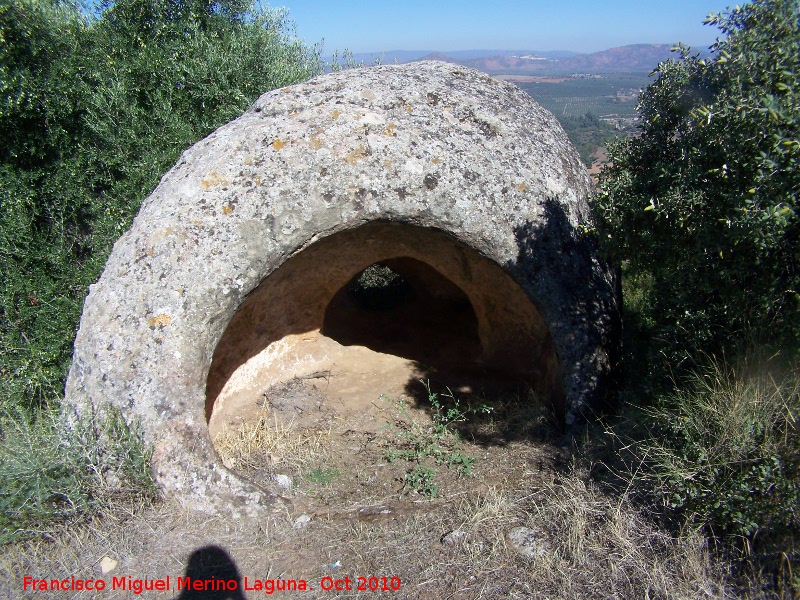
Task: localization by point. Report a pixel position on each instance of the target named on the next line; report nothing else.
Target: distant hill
(636, 57)
(460, 56)
(519, 64)
(438, 56)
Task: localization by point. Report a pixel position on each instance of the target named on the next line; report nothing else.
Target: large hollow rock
(460, 184)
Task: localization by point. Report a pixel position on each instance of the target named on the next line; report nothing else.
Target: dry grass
(722, 452)
(268, 444)
(149, 542)
(602, 547)
(594, 545)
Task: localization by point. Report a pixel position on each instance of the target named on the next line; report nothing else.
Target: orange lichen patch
(278, 144)
(257, 181)
(294, 114)
(315, 143)
(335, 114)
(213, 179)
(435, 161)
(408, 107)
(522, 187)
(390, 130)
(356, 155)
(227, 209)
(387, 163)
(159, 321)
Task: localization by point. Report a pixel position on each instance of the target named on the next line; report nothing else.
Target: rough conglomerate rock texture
(429, 145)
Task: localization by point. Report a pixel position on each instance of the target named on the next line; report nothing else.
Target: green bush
(701, 211)
(704, 202)
(42, 229)
(93, 112)
(725, 452)
(52, 473)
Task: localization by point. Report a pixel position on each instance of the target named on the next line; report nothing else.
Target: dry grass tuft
(268, 444)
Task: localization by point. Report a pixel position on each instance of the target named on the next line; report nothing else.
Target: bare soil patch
(416, 491)
(599, 162)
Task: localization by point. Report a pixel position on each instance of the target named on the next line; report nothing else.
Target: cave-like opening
(405, 307)
(373, 310)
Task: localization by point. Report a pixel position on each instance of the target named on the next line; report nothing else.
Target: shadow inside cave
(497, 408)
(405, 307)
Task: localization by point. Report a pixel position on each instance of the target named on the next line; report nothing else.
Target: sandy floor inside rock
(338, 382)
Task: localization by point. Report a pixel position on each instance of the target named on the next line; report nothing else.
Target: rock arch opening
(220, 288)
(405, 307)
(370, 311)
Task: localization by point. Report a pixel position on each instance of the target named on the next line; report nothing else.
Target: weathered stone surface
(526, 542)
(428, 162)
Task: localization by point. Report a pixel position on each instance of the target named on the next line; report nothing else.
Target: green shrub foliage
(703, 204)
(52, 474)
(729, 452)
(93, 111)
(701, 211)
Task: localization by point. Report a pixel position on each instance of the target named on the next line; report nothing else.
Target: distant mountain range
(636, 57)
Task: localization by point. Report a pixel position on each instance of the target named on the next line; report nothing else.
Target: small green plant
(421, 481)
(346, 61)
(445, 416)
(438, 441)
(322, 476)
(461, 460)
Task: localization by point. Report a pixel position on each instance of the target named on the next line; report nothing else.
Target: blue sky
(579, 25)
